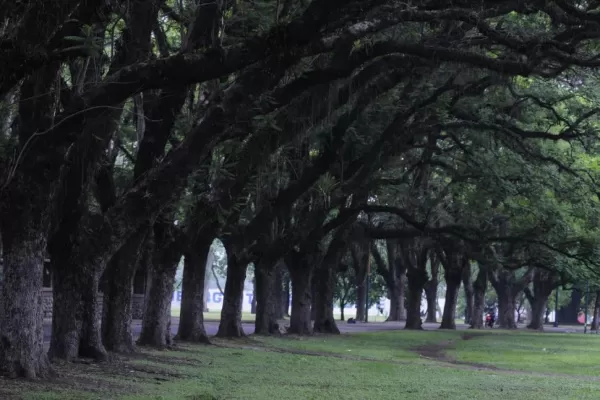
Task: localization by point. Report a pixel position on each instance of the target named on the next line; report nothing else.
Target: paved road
(212, 327)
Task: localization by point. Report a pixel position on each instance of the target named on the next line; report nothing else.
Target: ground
(375, 365)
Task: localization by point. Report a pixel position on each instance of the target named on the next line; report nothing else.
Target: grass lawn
(383, 365)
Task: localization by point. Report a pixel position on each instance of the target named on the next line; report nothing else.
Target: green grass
(382, 365)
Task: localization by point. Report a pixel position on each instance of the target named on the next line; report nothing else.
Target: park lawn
(560, 353)
(557, 353)
(380, 365)
(385, 346)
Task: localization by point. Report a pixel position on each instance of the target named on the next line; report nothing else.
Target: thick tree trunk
(76, 314)
(156, 324)
(361, 299)
(300, 321)
(278, 291)
(567, 315)
(417, 279)
(285, 303)
(325, 321)
(21, 315)
(231, 313)
(342, 306)
(118, 294)
(538, 310)
(479, 288)
(506, 308)
(468, 288)
(191, 320)
(396, 281)
(397, 296)
(596, 317)
(266, 303)
(431, 289)
(544, 283)
(431, 306)
(157, 315)
(253, 302)
(313, 297)
(452, 288)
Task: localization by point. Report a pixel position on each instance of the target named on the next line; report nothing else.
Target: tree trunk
(506, 308)
(324, 320)
(157, 315)
(76, 314)
(479, 288)
(538, 310)
(231, 313)
(544, 283)
(342, 306)
(286, 296)
(397, 280)
(417, 279)
(567, 315)
(253, 302)
(21, 314)
(452, 288)
(313, 297)
(191, 320)
(596, 317)
(278, 291)
(118, 294)
(397, 296)
(266, 293)
(469, 295)
(361, 299)
(300, 276)
(431, 289)
(156, 323)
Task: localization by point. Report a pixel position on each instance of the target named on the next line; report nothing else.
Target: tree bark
(417, 278)
(266, 304)
(506, 308)
(469, 295)
(24, 223)
(313, 296)
(231, 313)
(567, 315)
(191, 320)
(325, 321)
(453, 280)
(286, 296)
(507, 287)
(596, 317)
(21, 315)
(118, 294)
(397, 281)
(301, 278)
(361, 299)
(157, 314)
(279, 291)
(431, 289)
(253, 302)
(538, 310)
(479, 288)
(544, 283)
(76, 314)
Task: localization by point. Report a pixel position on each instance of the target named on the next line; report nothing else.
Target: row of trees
(297, 132)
